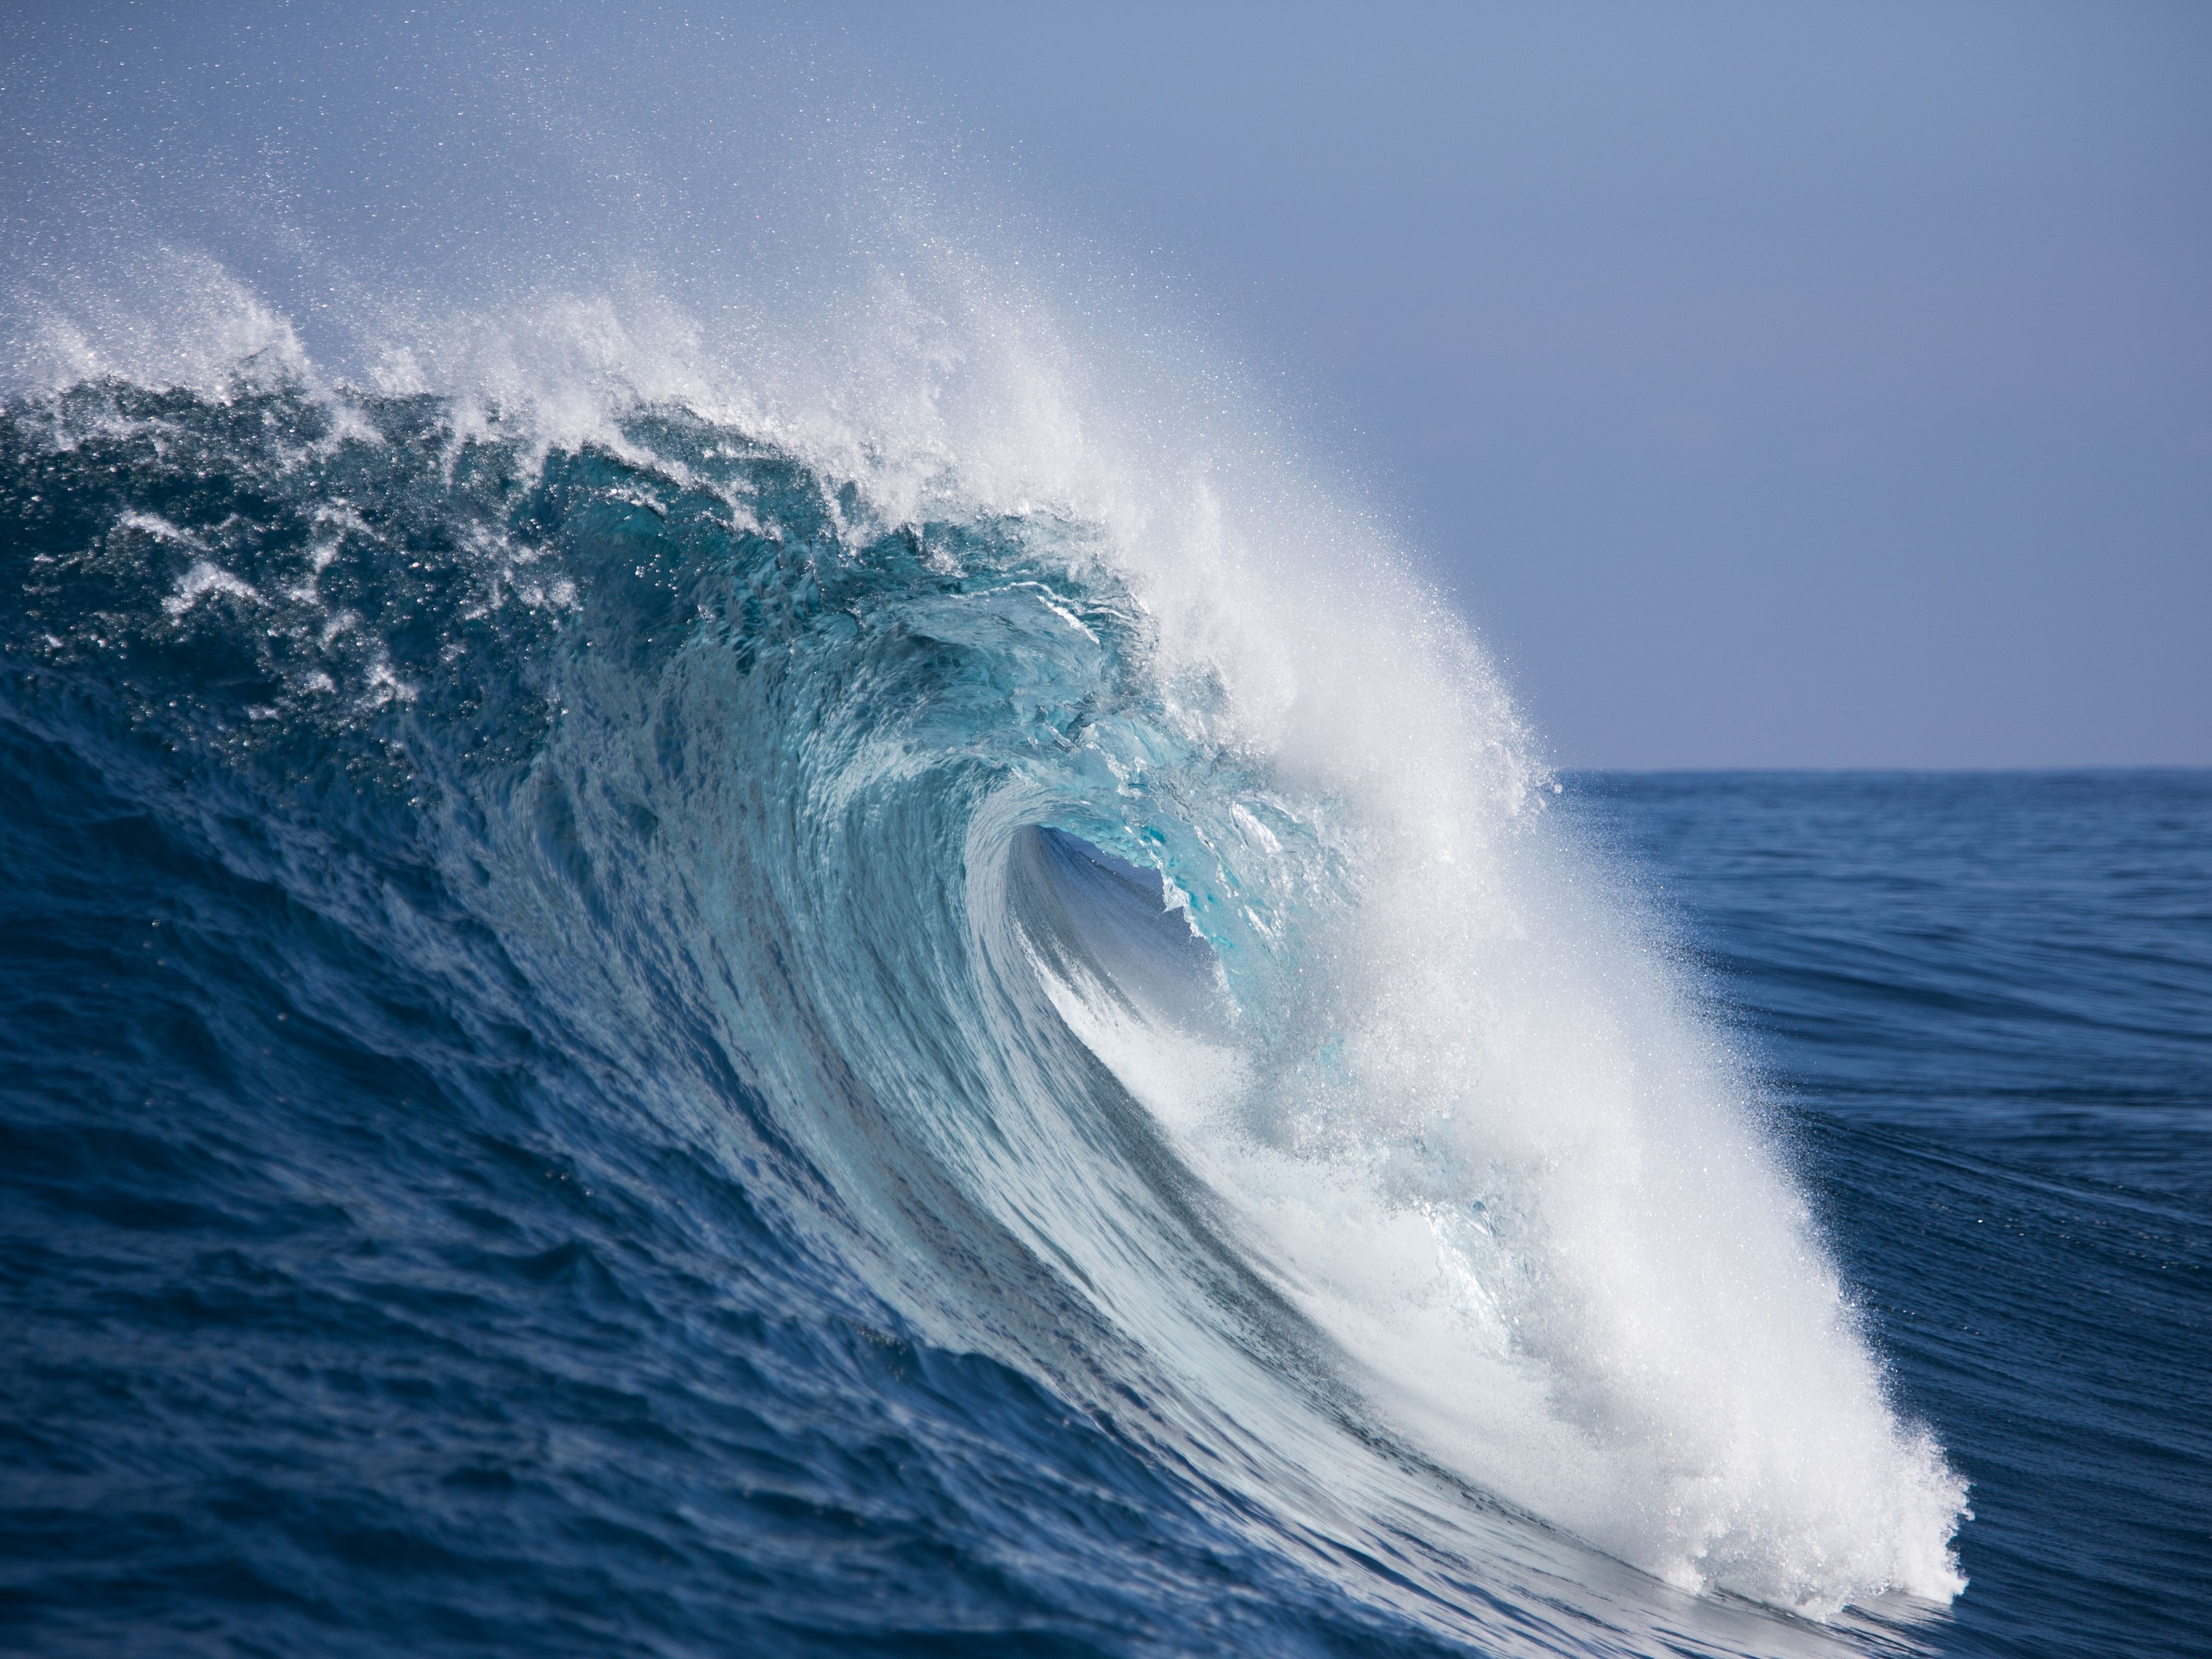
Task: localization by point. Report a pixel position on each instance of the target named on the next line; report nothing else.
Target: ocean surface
(628, 1041)
(1984, 1000)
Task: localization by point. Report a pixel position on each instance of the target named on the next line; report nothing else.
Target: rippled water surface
(1987, 1000)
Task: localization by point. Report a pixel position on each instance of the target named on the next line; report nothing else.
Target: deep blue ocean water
(1987, 1000)
(479, 929)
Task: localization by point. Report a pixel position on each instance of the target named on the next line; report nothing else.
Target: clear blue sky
(1773, 384)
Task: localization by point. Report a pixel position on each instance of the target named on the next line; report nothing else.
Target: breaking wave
(1100, 911)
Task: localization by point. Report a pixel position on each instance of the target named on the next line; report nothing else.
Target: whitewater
(878, 795)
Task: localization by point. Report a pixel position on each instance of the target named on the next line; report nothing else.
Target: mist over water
(716, 680)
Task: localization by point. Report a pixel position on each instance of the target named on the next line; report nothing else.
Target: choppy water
(632, 1042)
(1988, 1001)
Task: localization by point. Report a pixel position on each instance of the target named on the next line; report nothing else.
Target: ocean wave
(1091, 911)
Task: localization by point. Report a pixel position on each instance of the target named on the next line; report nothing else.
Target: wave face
(646, 1035)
